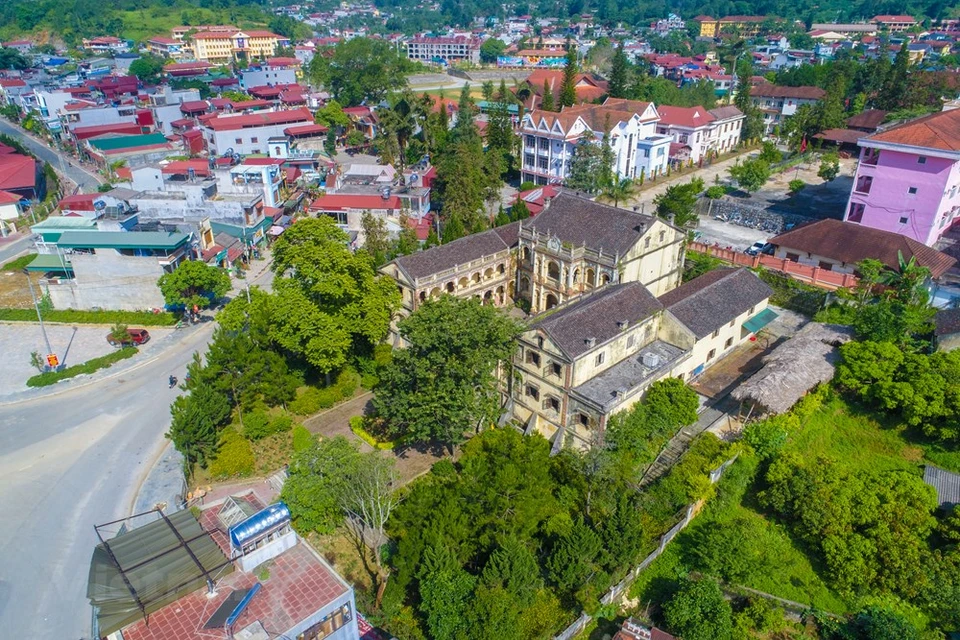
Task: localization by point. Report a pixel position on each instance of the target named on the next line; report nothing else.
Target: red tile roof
(12, 82)
(283, 62)
(850, 242)
(78, 202)
(939, 131)
(691, 117)
(306, 129)
(17, 172)
(194, 105)
(343, 202)
(797, 93)
(263, 119)
(300, 584)
(182, 167)
(8, 198)
(889, 18)
(188, 66)
(250, 104)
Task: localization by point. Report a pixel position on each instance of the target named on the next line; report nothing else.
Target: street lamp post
(36, 305)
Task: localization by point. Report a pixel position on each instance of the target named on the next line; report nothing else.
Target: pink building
(908, 177)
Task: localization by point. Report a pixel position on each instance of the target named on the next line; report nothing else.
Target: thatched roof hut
(794, 368)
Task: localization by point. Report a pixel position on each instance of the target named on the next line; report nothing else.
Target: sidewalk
(707, 174)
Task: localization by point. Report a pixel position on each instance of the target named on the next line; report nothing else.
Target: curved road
(68, 462)
(86, 180)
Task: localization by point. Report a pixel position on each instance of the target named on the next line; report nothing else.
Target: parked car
(759, 247)
(134, 337)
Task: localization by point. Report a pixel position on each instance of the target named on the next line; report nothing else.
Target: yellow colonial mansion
(224, 47)
(608, 315)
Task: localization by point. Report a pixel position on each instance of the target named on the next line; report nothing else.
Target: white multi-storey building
(447, 49)
(550, 138)
(698, 132)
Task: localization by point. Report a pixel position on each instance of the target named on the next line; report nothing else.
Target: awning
(50, 262)
(275, 231)
(760, 320)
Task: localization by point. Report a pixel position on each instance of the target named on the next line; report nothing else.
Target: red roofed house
(23, 46)
(9, 206)
(248, 133)
(224, 47)
(22, 175)
(106, 44)
(633, 629)
(895, 24)
(779, 103)
(699, 131)
(538, 199)
(550, 138)
(908, 178)
(218, 586)
(347, 209)
(589, 87)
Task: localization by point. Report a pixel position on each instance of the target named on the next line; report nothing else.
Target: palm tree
(616, 191)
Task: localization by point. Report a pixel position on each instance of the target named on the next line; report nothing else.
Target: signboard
(53, 360)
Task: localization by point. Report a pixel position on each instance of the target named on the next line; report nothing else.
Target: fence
(618, 589)
(823, 278)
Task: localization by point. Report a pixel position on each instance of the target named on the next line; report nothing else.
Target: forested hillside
(72, 20)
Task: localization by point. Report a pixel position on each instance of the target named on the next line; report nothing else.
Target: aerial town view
(472, 320)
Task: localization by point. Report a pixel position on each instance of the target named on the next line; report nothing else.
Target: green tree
(491, 49)
(547, 100)
(568, 89)
(332, 115)
(829, 166)
(586, 166)
(513, 567)
(751, 175)
(445, 590)
(618, 191)
(698, 611)
(376, 240)
(770, 154)
(315, 482)
(330, 142)
(194, 284)
(196, 421)
(147, 68)
(753, 127)
(329, 298)
(876, 623)
(678, 203)
(444, 383)
(619, 74)
(672, 401)
(519, 210)
(571, 561)
(360, 69)
(895, 93)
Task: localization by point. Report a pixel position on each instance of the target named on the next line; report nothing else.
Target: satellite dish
(99, 205)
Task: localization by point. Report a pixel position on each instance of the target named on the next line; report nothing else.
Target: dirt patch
(14, 291)
(744, 361)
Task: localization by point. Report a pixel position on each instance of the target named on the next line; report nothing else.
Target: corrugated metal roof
(128, 142)
(946, 483)
(49, 262)
(122, 239)
(64, 222)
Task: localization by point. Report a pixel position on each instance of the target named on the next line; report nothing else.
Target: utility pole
(36, 305)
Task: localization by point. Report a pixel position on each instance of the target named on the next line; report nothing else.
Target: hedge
(52, 377)
(356, 425)
(73, 316)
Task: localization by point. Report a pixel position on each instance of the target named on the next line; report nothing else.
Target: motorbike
(173, 381)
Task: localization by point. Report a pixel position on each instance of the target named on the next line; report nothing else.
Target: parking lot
(73, 345)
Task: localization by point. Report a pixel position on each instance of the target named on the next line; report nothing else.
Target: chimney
(590, 342)
(622, 324)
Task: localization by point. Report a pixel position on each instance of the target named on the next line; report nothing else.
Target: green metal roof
(50, 262)
(122, 239)
(114, 143)
(64, 223)
(760, 320)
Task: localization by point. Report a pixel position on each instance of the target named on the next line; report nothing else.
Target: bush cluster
(73, 316)
(235, 457)
(258, 425)
(90, 366)
(313, 399)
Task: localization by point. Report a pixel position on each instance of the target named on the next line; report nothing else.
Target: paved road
(10, 249)
(70, 461)
(86, 180)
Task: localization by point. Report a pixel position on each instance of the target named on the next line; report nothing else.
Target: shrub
(17, 264)
(281, 423)
(796, 186)
(90, 366)
(302, 438)
(72, 316)
(527, 186)
(347, 382)
(383, 354)
(767, 437)
(793, 294)
(358, 424)
(235, 457)
(329, 397)
(307, 402)
(256, 425)
(715, 192)
(369, 381)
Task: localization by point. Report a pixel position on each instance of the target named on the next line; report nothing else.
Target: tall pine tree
(546, 102)
(568, 90)
(619, 72)
(895, 93)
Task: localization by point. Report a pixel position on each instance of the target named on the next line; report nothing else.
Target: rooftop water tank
(258, 524)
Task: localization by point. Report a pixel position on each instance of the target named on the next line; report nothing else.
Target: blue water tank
(259, 523)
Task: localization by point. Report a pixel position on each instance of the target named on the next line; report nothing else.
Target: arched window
(591, 278)
(525, 254)
(553, 270)
(551, 301)
(576, 276)
(450, 287)
(501, 269)
(476, 277)
(463, 283)
(604, 279)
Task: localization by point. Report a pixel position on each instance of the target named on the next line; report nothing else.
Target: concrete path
(718, 169)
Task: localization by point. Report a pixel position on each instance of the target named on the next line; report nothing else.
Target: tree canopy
(360, 70)
(194, 284)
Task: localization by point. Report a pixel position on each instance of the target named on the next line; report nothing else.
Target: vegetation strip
(90, 366)
(72, 316)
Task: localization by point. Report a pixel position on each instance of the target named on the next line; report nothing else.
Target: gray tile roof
(579, 221)
(447, 256)
(707, 303)
(947, 485)
(946, 322)
(722, 113)
(596, 316)
(628, 374)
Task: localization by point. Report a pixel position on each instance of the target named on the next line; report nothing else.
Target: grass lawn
(142, 24)
(90, 366)
(19, 263)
